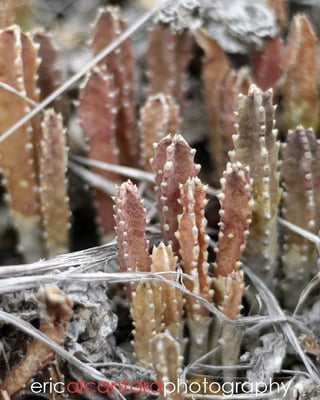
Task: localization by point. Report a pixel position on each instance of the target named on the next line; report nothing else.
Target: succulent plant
(300, 164)
(159, 117)
(189, 310)
(54, 199)
(256, 146)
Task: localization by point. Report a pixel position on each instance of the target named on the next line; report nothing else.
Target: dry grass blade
(306, 234)
(274, 308)
(21, 95)
(132, 173)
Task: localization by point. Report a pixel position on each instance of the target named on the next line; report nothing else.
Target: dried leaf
(311, 345)
(268, 358)
(55, 315)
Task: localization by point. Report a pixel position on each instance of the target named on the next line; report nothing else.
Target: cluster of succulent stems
(258, 177)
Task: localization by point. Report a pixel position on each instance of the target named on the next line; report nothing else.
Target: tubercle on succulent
(42, 145)
(97, 113)
(120, 64)
(159, 117)
(300, 179)
(173, 163)
(255, 146)
(53, 184)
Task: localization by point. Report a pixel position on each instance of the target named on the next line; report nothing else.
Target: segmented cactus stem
(53, 184)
